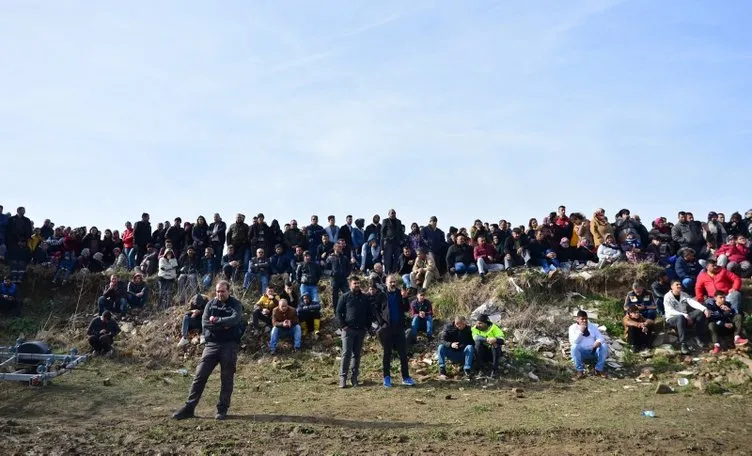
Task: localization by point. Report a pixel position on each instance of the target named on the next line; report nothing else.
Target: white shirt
(577, 339)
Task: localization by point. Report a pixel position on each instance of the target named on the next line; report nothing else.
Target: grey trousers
(352, 347)
(226, 355)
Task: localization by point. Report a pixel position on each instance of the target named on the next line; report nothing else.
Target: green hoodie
(492, 331)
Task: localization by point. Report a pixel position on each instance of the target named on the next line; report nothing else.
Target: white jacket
(168, 269)
(606, 253)
(585, 342)
(679, 306)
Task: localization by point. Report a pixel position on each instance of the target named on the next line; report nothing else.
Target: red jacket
(736, 253)
(128, 238)
(486, 251)
(724, 280)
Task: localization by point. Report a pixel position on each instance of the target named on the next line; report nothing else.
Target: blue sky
(477, 109)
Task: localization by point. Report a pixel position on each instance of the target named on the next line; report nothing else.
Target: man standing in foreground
(390, 315)
(587, 344)
(355, 315)
(222, 326)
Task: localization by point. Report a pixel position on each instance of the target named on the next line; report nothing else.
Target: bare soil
(292, 406)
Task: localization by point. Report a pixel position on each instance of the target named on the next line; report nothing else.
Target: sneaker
(442, 377)
(220, 416)
(183, 413)
(580, 375)
(601, 374)
(387, 382)
(342, 382)
(408, 381)
(183, 342)
(354, 382)
(482, 278)
(468, 374)
(442, 371)
(700, 343)
(495, 374)
(202, 340)
(716, 349)
(684, 349)
(740, 341)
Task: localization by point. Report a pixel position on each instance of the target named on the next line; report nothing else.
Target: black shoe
(495, 374)
(700, 343)
(342, 382)
(354, 382)
(220, 416)
(442, 371)
(468, 374)
(482, 278)
(684, 349)
(183, 413)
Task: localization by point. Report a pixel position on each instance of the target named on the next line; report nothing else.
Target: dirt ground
(292, 406)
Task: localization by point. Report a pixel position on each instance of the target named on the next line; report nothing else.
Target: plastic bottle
(648, 413)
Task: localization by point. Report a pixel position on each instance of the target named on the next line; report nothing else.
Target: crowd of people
(707, 259)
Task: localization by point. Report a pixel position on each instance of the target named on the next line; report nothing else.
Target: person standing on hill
(141, 237)
(392, 235)
(223, 327)
(355, 314)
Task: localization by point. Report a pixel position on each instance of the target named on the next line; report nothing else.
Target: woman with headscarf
(414, 238)
(580, 230)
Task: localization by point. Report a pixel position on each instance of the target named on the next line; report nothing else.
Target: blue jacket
(358, 237)
(718, 316)
(685, 270)
(9, 290)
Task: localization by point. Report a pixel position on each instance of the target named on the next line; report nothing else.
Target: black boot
(184, 412)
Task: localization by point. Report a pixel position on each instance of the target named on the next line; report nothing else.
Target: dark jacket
(134, 288)
(18, 229)
(227, 327)
(260, 237)
(200, 235)
(117, 293)
(373, 229)
(308, 273)
(435, 240)
(158, 237)
(189, 265)
(97, 325)
(451, 334)
(354, 310)
(659, 290)
(403, 263)
(688, 234)
(141, 233)
(259, 265)
(459, 254)
(280, 264)
(313, 235)
(346, 234)
(237, 235)
(380, 303)
(392, 231)
(340, 265)
(686, 270)
(176, 234)
(294, 237)
(220, 235)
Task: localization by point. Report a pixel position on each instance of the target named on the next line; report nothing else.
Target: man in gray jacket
(687, 233)
(222, 322)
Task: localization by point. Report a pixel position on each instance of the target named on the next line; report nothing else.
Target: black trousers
(392, 251)
(638, 339)
(339, 285)
(226, 355)
(100, 344)
(487, 353)
(700, 325)
(717, 331)
(394, 338)
(259, 316)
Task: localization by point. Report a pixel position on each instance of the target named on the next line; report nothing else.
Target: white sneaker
(183, 342)
(202, 340)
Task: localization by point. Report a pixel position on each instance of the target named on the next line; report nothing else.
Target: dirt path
(290, 409)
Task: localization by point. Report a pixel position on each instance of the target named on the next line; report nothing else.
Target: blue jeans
(105, 304)
(456, 356)
(651, 314)
(581, 355)
(312, 290)
(130, 254)
(263, 280)
(189, 323)
(688, 285)
(406, 279)
(137, 302)
(295, 332)
(418, 322)
(461, 268)
(207, 280)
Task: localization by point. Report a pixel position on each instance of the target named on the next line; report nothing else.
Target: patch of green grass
(661, 363)
(613, 328)
(523, 354)
(629, 358)
(445, 308)
(714, 388)
(480, 409)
